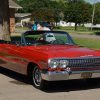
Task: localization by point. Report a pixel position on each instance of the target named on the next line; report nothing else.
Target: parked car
(47, 56)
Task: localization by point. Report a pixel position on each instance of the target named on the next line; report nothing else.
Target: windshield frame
(23, 41)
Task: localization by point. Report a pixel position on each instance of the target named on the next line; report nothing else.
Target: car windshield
(47, 37)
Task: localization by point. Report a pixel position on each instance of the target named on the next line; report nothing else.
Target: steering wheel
(58, 41)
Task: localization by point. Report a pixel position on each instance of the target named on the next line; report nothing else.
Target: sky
(92, 1)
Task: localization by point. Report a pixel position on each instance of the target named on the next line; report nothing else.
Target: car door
(17, 60)
(3, 54)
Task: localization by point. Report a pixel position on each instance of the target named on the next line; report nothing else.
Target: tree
(48, 10)
(78, 11)
(59, 7)
(4, 20)
(97, 14)
(43, 14)
(32, 5)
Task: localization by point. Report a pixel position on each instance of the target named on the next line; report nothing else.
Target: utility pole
(93, 13)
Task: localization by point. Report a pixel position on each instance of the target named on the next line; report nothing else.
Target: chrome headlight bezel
(58, 63)
(63, 63)
(53, 63)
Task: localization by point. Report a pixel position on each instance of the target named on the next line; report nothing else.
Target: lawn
(91, 43)
(80, 30)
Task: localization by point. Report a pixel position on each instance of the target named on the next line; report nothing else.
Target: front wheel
(37, 80)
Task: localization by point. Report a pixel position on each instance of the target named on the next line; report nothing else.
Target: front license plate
(86, 75)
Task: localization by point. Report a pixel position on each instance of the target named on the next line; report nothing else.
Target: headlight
(63, 63)
(53, 63)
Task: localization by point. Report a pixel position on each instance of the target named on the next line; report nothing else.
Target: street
(14, 86)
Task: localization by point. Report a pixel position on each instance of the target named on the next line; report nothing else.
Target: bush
(57, 27)
(97, 33)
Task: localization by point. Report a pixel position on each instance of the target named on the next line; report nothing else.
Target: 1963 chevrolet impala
(49, 56)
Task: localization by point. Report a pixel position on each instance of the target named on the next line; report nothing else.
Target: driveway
(14, 86)
(85, 36)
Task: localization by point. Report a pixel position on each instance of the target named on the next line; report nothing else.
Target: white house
(89, 25)
(22, 18)
(63, 23)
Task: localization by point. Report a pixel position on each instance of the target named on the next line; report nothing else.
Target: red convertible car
(47, 56)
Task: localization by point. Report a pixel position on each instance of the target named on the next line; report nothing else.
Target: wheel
(37, 80)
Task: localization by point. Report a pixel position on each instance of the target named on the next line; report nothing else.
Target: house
(13, 7)
(64, 23)
(22, 18)
(89, 25)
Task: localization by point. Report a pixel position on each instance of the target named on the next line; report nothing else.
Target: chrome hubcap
(36, 77)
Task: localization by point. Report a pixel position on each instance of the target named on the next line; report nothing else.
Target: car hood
(54, 51)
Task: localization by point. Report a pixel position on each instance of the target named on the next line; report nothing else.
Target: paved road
(86, 36)
(16, 87)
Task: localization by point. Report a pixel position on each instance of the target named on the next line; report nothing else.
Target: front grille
(84, 62)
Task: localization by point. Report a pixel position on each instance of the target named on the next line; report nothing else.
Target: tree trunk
(4, 20)
(56, 23)
(75, 26)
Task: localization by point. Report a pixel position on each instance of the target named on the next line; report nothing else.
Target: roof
(22, 14)
(13, 4)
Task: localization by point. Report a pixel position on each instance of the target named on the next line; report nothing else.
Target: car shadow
(74, 85)
(19, 79)
(54, 87)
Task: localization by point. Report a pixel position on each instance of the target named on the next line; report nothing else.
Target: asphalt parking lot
(14, 86)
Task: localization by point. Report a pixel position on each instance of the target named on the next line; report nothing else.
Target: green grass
(80, 30)
(22, 28)
(70, 29)
(90, 43)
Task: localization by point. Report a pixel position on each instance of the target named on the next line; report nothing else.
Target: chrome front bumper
(64, 75)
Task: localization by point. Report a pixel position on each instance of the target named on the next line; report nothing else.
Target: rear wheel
(37, 80)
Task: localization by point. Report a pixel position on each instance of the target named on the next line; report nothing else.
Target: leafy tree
(33, 5)
(78, 11)
(49, 10)
(97, 14)
(43, 14)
